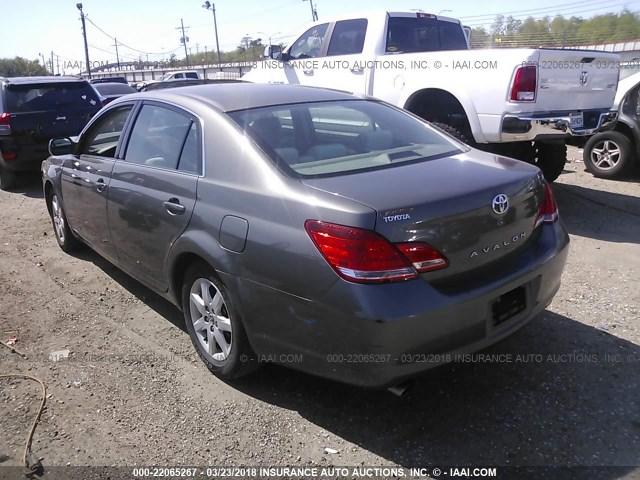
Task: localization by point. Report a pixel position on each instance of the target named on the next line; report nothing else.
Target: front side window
(348, 37)
(333, 138)
(158, 137)
(103, 136)
(309, 45)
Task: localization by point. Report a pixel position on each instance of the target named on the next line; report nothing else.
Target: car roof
(230, 97)
(41, 80)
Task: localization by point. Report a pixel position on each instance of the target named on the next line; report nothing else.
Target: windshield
(331, 138)
(51, 96)
(424, 34)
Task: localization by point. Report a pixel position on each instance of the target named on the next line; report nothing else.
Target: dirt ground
(132, 391)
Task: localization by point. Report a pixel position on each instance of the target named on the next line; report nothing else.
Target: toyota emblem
(500, 204)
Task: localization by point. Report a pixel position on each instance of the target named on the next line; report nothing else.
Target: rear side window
(158, 137)
(407, 34)
(191, 75)
(348, 37)
(51, 96)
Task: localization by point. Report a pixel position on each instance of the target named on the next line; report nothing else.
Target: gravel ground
(132, 391)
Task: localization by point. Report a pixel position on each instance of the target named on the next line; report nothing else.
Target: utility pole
(314, 12)
(57, 64)
(52, 72)
(117, 55)
(184, 40)
(212, 7)
(86, 45)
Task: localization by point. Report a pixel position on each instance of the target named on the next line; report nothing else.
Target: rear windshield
(407, 34)
(50, 96)
(333, 138)
(113, 88)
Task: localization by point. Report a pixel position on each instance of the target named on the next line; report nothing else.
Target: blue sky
(40, 26)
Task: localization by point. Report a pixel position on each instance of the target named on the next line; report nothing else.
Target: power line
(540, 16)
(524, 12)
(121, 43)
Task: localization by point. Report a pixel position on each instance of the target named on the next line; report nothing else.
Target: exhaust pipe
(400, 389)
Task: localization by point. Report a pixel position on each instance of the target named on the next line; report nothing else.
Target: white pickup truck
(524, 102)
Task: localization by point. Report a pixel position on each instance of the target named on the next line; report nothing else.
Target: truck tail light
(364, 256)
(5, 124)
(548, 212)
(525, 83)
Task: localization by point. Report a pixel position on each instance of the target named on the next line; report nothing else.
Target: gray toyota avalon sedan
(335, 234)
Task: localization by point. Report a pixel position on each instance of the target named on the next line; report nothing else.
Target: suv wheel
(7, 179)
(608, 154)
(551, 158)
(214, 325)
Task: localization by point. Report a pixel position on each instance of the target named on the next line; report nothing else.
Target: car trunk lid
(450, 203)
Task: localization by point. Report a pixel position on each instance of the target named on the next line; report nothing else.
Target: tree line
(557, 31)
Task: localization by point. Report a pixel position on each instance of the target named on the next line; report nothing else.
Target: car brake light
(422, 256)
(364, 256)
(525, 84)
(548, 212)
(5, 124)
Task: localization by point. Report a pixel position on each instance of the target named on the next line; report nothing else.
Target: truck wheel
(551, 158)
(608, 154)
(7, 179)
(454, 132)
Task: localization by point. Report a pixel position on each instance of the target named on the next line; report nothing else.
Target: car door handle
(174, 207)
(100, 185)
(308, 73)
(357, 70)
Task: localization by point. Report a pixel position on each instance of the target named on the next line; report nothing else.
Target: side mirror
(62, 146)
(273, 51)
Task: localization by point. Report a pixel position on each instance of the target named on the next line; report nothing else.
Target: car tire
(214, 324)
(7, 179)
(454, 132)
(608, 155)
(65, 237)
(551, 159)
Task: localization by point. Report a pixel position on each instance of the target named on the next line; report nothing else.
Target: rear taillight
(525, 84)
(5, 124)
(364, 256)
(423, 257)
(548, 212)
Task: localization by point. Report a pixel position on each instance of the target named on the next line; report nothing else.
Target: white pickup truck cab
(524, 102)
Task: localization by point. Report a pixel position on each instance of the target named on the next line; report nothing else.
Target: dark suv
(34, 110)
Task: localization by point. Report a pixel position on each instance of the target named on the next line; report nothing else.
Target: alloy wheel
(210, 318)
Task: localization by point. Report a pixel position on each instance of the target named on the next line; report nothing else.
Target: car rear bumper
(529, 127)
(379, 335)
